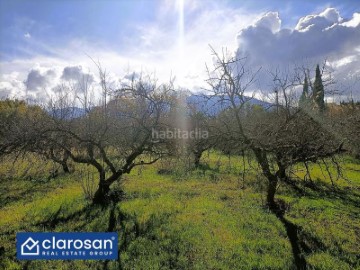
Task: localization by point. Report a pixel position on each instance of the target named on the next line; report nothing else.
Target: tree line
(114, 135)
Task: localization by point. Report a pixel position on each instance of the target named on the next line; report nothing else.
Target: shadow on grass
(55, 219)
(292, 229)
(320, 189)
(305, 243)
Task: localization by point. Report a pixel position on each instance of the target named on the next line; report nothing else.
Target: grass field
(209, 218)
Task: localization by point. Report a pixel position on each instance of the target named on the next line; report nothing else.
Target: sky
(44, 44)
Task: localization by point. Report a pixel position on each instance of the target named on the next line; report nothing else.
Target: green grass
(196, 220)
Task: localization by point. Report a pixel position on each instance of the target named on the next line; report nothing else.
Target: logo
(67, 246)
(30, 247)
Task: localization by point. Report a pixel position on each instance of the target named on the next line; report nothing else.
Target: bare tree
(278, 138)
(112, 137)
(200, 124)
(346, 117)
(20, 127)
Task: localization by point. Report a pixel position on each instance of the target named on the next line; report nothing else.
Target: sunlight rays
(180, 63)
(181, 119)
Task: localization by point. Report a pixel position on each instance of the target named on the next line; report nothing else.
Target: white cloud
(354, 22)
(269, 21)
(11, 86)
(5, 90)
(325, 19)
(325, 35)
(27, 35)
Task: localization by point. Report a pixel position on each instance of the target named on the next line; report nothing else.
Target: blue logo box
(67, 246)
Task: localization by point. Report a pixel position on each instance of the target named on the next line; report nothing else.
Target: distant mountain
(214, 105)
(202, 103)
(68, 113)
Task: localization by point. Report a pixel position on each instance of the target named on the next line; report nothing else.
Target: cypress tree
(304, 98)
(318, 90)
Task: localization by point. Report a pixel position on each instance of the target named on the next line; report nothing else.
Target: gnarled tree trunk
(197, 157)
(271, 190)
(262, 159)
(102, 193)
(65, 167)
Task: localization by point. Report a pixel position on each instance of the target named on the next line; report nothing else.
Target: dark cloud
(36, 79)
(75, 73)
(132, 76)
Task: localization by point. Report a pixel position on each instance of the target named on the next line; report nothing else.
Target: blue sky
(141, 34)
(116, 24)
(60, 21)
